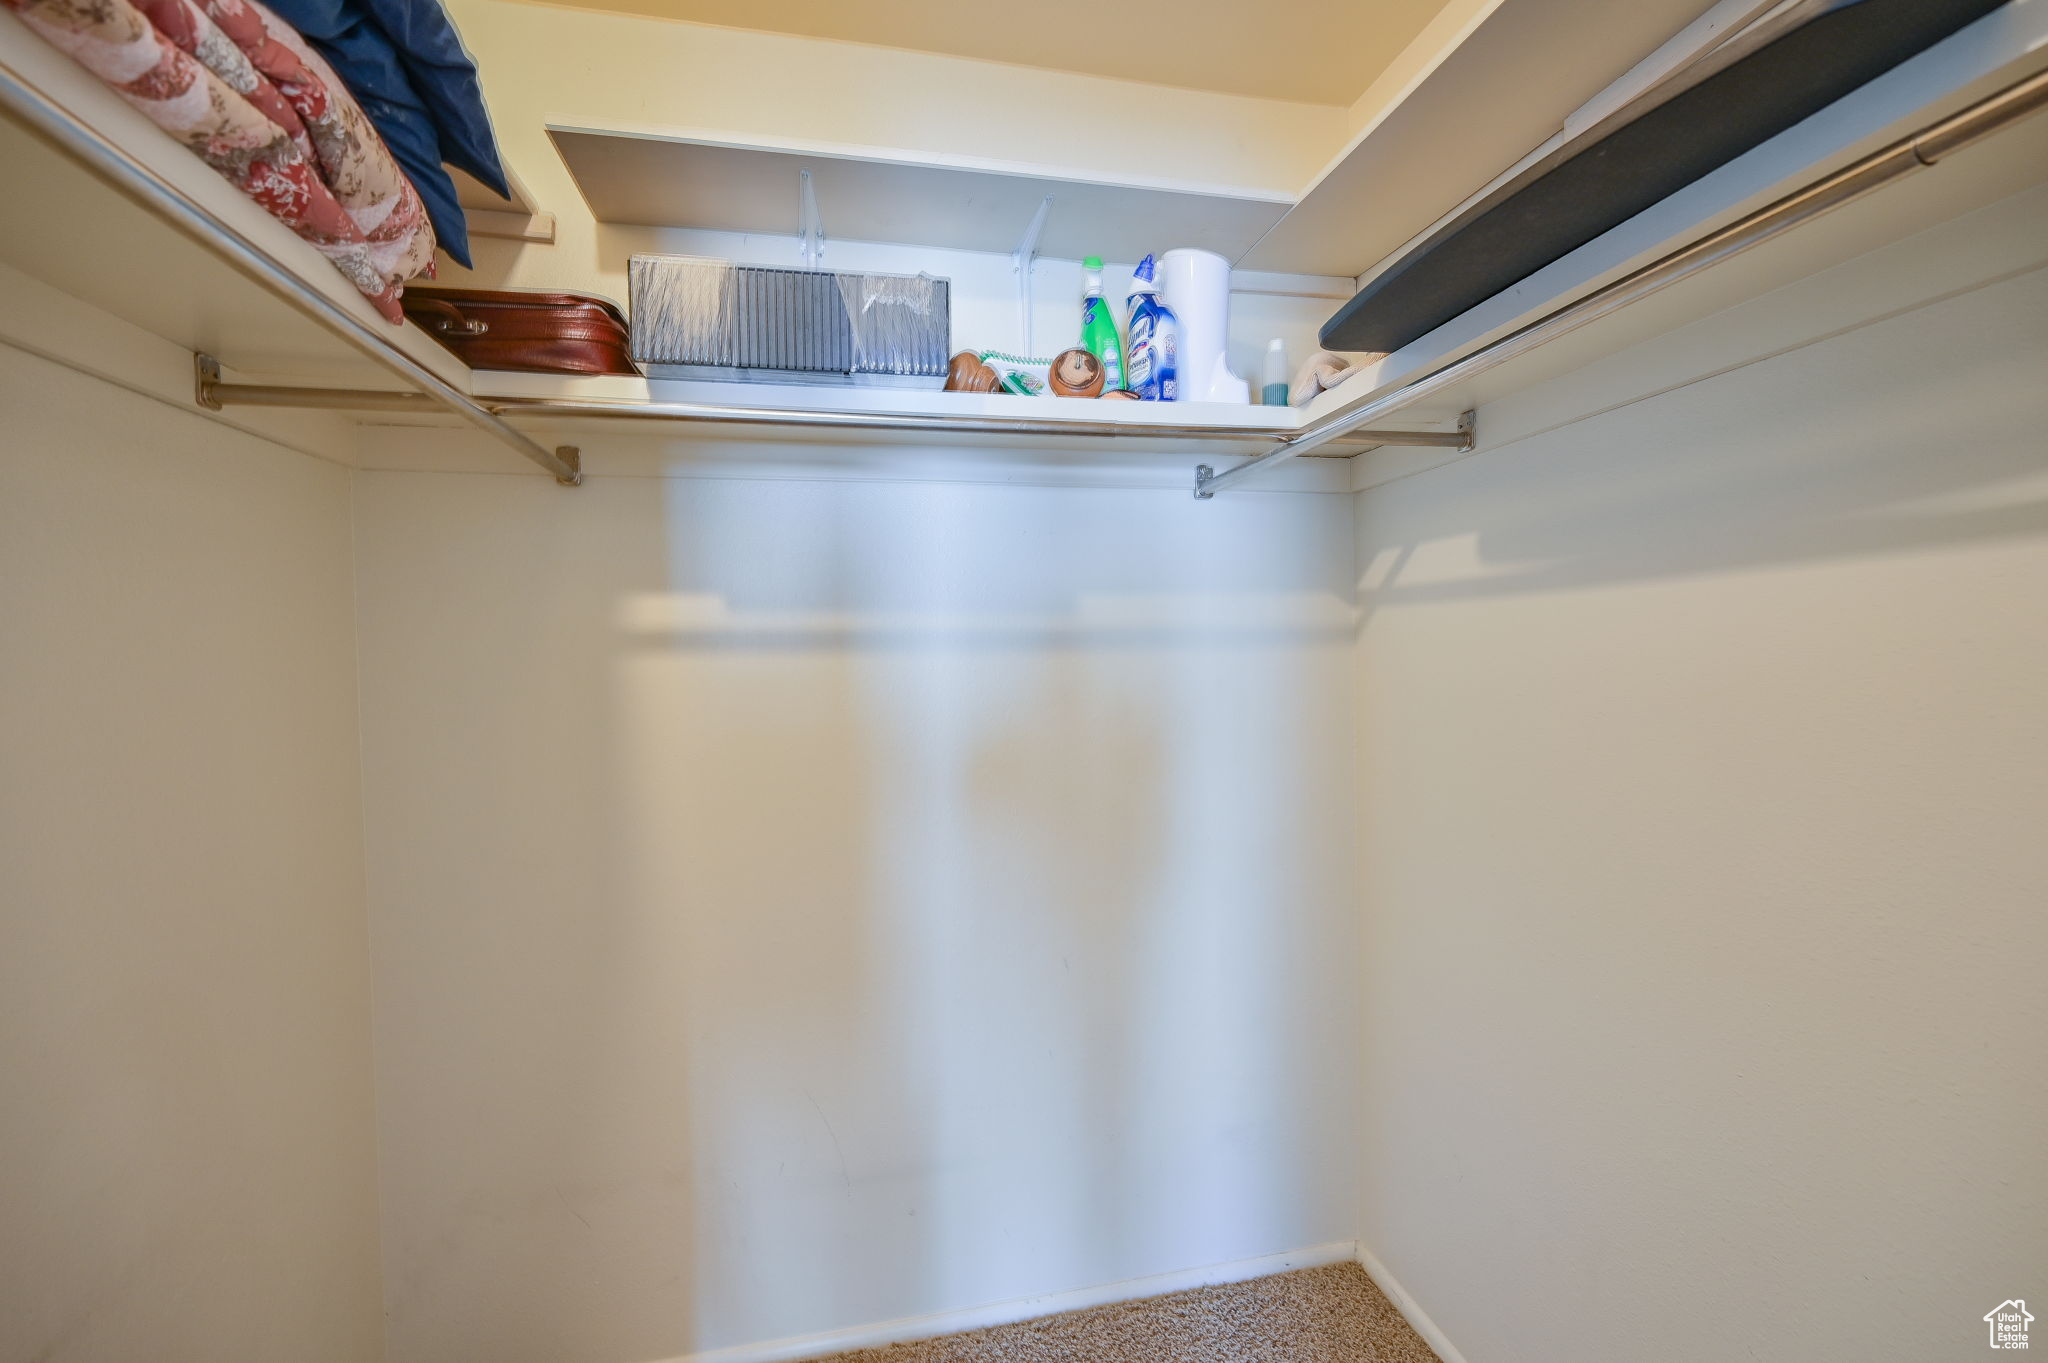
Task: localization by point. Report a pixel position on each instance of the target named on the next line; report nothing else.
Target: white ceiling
(1310, 51)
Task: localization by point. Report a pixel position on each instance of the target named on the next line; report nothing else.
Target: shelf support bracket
(564, 461)
(810, 227)
(1021, 262)
(1462, 439)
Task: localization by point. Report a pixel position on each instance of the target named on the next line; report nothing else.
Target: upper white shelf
(1497, 88)
(658, 180)
(1485, 99)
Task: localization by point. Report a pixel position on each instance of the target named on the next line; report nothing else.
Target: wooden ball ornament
(967, 374)
(1076, 373)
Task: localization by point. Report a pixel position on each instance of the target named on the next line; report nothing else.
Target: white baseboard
(1028, 1308)
(1408, 1307)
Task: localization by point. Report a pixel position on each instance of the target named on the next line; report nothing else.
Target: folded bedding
(270, 119)
(370, 67)
(242, 42)
(405, 62)
(198, 36)
(356, 163)
(445, 76)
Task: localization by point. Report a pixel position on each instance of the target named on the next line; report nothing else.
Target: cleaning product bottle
(1098, 328)
(1152, 367)
(1273, 393)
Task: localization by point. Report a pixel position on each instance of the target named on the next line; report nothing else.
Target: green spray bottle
(1098, 328)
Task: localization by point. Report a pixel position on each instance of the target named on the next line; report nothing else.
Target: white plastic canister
(1195, 284)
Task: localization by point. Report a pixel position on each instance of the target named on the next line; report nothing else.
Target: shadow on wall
(1008, 1045)
(952, 903)
(1897, 438)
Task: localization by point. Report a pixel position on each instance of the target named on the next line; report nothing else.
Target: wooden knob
(1076, 373)
(967, 374)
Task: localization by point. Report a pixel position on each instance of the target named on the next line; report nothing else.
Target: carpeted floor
(1313, 1315)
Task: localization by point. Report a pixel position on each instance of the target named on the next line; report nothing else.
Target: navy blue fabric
(416, 147)
(421, 93)
(445, 78)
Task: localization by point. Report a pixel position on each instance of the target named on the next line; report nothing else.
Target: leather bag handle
(453, 323)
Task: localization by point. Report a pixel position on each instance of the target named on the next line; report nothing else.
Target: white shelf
(654, 179)
(828, 397)
(1508, 83)
(1143, 426)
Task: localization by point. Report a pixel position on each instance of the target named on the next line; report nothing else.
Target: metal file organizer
(698, 318)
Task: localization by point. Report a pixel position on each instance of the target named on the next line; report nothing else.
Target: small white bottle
(1273, 382)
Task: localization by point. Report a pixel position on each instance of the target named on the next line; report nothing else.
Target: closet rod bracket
(205, 378)
(564, 461)
(1462, 439)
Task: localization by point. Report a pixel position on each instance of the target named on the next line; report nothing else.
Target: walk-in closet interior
(695, 682)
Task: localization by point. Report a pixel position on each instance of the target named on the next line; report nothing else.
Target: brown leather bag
(539, 333)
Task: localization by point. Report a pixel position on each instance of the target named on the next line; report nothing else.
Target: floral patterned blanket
(237, 86)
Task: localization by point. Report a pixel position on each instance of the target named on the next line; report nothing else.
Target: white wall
(803, 904)
(1704, 760)
(184, 1042)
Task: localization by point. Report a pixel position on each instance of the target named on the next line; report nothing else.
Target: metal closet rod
(49, 120)
(1901, 158)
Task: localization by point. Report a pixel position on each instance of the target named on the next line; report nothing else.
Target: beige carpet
(1313, 1315)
